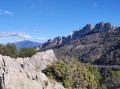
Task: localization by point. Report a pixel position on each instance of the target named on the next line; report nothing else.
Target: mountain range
(94, 45)
(27, 44)
(88, 29)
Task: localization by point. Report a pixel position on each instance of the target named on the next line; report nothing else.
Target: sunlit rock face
(102, 26)
(25, 73)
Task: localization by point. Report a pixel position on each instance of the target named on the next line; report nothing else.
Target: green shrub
(94, 70)
(26, 52)
(9, 50)
(112, 80)
(72, 74)
(12, 51)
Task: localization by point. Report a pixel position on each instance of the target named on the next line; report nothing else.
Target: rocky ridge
(100, 27)
(25, 73)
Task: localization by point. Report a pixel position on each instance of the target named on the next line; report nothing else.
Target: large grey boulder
(42, 59)
(25, 73)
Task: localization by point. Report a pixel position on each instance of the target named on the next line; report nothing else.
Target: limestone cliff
(25, 73)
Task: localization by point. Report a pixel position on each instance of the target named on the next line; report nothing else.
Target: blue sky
(40, 20)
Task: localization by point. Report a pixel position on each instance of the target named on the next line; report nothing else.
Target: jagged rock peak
(24, 73)
(102, 26)
(57, 40)
(102, 22)
(88, 26)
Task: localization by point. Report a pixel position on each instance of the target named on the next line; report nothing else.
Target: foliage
(2, 49)
(72, 74)
(12, 51)
(26, 52)
(112, 80)
(9, 50)
(94, 70)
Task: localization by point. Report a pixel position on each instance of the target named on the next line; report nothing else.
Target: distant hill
(27, 44)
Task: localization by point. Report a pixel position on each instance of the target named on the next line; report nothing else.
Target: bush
(26, 52)
(9, 50)
(112, 80)
(72, 74)
(12, 51)
(94, 70)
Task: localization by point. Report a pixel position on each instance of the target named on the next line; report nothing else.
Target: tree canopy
(8, 50)
(26, 52)
(12, 51)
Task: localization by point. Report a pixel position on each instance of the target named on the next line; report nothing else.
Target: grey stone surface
(25, 73)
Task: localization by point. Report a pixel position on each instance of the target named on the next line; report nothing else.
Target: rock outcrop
(26, 73)
(100, 27)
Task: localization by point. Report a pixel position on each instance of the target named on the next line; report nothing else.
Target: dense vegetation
(112, 80)
(12, 51)
(9, 50)
(74, 75)
(94, 70)
(26, 52)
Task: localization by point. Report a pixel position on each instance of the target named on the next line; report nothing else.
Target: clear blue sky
(40, 20)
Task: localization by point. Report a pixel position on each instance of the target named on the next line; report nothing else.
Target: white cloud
(8, 12)
(5, 12)
(17, 34)
(36, 31)
(94, 4)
